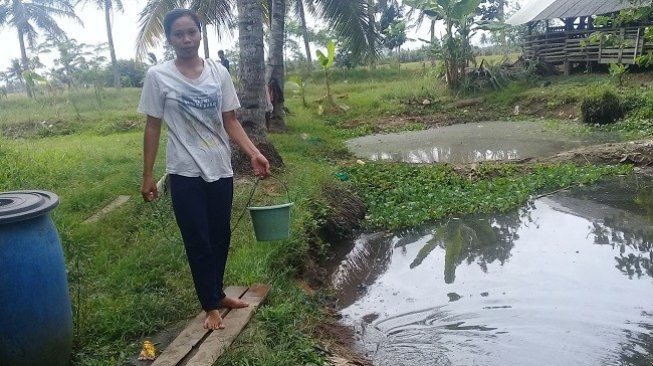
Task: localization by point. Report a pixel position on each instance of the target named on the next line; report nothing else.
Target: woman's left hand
(260, 166)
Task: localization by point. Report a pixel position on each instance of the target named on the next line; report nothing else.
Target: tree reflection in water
(638, 349)
(625, 223)
(635, 245)
(479, 239)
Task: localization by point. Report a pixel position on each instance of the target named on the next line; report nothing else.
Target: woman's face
(185, 37)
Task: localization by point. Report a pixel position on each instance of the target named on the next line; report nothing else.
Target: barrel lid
(23, 205)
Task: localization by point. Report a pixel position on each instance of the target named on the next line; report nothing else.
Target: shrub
(603, 108)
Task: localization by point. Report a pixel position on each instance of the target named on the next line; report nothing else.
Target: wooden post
(636, 47)
(622, 38)
(567, 63)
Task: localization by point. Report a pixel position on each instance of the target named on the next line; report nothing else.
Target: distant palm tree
(14, 72)
(353, 21)
(349, 19)
(28, 15)
(299, 7)
(107, 6)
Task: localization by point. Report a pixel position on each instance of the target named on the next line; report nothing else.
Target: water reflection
(438, 154)
(621, 216)
(369, 258)
(563, 281)
(448, 154)
(479, 240)
(471, 142)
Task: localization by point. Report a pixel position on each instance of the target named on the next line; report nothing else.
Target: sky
(125, 31)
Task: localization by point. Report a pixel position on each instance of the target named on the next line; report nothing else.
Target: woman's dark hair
(175, 14)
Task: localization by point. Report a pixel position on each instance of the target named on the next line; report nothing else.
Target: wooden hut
(558, 32)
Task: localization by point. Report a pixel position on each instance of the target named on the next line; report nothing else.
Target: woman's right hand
(148, 189)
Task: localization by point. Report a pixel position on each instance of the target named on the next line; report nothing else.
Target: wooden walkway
(196, 346)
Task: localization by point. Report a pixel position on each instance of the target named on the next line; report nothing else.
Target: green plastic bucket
(271, 222)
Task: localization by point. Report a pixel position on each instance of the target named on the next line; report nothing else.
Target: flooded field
(566, 280)
(471, 142)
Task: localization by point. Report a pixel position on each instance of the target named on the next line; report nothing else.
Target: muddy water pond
(564, 280)
(472, 142)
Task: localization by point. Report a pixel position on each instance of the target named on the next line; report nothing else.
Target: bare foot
(213, 320)
(233, 303)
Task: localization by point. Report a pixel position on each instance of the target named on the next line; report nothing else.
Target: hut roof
(536, 10)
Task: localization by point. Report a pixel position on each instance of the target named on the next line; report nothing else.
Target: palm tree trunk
(252, 84)
(205, 40)
(112, 49)
(371, 30)
(25, 62)
(275, 70)
(432, 41)
(304, 30)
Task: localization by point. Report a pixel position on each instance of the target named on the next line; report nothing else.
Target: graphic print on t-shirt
(199, 110)
(199, 101)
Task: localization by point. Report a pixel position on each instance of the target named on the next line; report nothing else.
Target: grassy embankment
(127, 273)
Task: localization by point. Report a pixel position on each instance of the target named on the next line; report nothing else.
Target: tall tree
(349, 19)
(299, 9)
(251, 89)
(107, 6)
(275, 73)
(353, 22)
(28, 15)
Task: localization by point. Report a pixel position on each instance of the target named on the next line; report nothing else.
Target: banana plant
(327, 61)
(298, 85)
(458, 17)
(32, 79)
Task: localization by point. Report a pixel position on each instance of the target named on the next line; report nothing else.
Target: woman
(197, 100)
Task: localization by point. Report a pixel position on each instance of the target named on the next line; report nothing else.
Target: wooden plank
(192, 335)
(121, 200)
(235, 321)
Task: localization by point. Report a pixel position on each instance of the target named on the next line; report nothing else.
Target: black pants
(203, 213)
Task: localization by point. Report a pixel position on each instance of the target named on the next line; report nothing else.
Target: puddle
(471, 142)
(566, 280)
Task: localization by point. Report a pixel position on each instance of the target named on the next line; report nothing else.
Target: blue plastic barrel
(35, 313)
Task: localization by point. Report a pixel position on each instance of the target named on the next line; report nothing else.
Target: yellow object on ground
(148, 352)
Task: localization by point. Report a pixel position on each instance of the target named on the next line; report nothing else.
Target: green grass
(64, 113)
(400, 195)
(128, 273)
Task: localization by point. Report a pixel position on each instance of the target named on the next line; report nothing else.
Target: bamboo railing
(559, 46)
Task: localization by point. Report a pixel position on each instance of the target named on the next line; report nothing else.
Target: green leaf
(327, 60)
(464, 8)
(322, 58)
(32, 78)
(331, 49)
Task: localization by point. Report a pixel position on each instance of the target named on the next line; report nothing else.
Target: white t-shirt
(198, 145)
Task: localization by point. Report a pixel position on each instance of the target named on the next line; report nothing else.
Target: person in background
(197, 100)
(224, 60)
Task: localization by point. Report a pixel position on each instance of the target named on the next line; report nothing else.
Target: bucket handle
(251, 194)
(258, 180)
